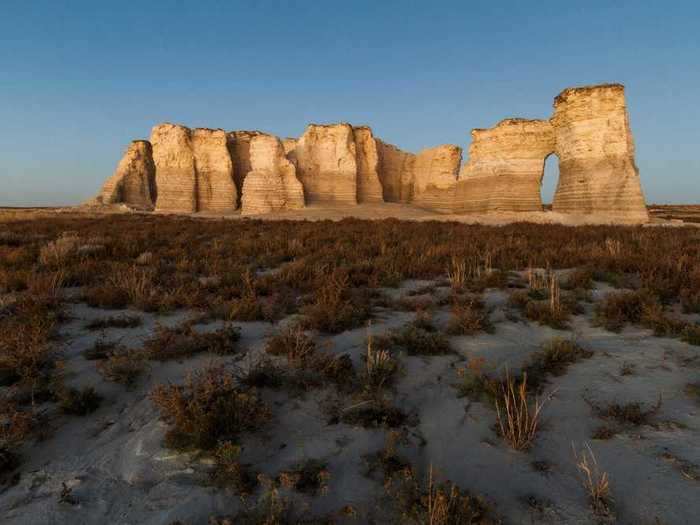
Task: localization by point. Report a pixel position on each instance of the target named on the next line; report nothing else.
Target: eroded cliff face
(176, 179)
(395, 168)
(326, 164)
(216, 191)
(369, 189)
(597, 171)
(435, 172)
(271, 185)
(133, 182)
(505, 167)
(239, 150)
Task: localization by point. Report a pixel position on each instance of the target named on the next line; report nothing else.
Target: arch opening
(549, 180)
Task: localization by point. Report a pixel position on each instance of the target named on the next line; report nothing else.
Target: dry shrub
(58, 252)
(580, 278)
(15, 427)
(336, 307)
(209, 408)
(518, 416)
(475, 384)
(372, 413)
(310, 477)
(621, 308)
(553, 358)
(468, 317)
(78, 402)
(419, 337)
(632, 413)
(116, 321)
(436, 504)
(230, 472)
(380, 366)
(183, 341)
(596, 483)
(25, 353)
(691, 334)
(122, 366)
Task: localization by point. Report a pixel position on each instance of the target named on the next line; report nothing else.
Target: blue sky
(79, 80)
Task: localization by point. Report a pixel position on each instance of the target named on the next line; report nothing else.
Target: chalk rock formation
(597, 171)
(505, 167)
(176, 178)
(239, 150)
(369, 189)
(216, 191)
(326, 164)
(435, 172)
(133, 182)
(271, 185)
(395, 172)
(193, 170)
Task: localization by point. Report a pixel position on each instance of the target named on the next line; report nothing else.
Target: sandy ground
(387, 210)
(119, 472)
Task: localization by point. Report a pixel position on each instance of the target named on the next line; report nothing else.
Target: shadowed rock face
(239, 150)
(326, 164)
(271, 185)
(369, 189)
(395, 168)
(193, 170)
(597, 171)
(133, 181)
(505, 167)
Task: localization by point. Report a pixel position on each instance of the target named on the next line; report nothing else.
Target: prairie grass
(518, 415)
(595, 482)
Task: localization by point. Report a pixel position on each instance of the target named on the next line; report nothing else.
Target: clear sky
(79, 80)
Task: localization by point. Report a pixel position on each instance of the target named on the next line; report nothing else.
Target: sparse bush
(310, 477)
(416, 338)
(183, 341)
(620, 308)
(229, 472)
(468, 317)
(117, 321)
(336, 307)
(15, 427)
(632, 413)
(554, 358)
(380, 366)
(293, 343)
(122, 366)
(79, 402)
(61, 250)
(691, 334)
(207, 409)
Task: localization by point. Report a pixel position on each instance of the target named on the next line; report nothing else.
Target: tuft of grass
(632, 413)
(293, 343)
(596, 483)
(518, 417)
(100, 349)
(16, 426)
(116, 321)
(620, 308)
(207, 409)
(373, 413)
(417, 338)
(380, 366)
(691, 334)
(475, 384)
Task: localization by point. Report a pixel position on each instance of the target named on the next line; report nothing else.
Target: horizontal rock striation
(505, 167)
(271, 185)
(194, 171)
(133, 182)
(216, 191)
(597, 171)
(326, 164)
(369, 189)
(435, 173)
(183, 170)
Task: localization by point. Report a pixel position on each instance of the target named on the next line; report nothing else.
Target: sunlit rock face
(369, 189)
(271, 185)
(597, 170)
(435, 172)
(239, 149)
(215, 188)
(176, 179)
(505, 167)
(133, 182)
(193, 170)
(326, 164)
